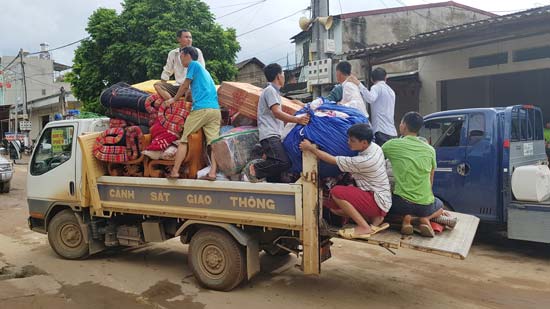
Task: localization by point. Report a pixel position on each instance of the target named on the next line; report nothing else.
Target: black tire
(4, 187)
(66, 238)
(216, 259)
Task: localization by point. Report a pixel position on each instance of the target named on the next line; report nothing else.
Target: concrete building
(251, 71)
(43, 109)
(41, 75)
(500, 61)
(358, 30)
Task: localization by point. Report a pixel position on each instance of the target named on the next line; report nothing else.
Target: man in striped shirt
(371, 198)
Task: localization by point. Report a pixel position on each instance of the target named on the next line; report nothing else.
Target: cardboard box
(244, 97)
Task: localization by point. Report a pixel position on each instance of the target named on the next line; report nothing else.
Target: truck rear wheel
(216, 259)
(65, 236)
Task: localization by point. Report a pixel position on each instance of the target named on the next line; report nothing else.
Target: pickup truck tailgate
(453, 243)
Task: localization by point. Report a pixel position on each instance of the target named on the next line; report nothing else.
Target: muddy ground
(498, 273)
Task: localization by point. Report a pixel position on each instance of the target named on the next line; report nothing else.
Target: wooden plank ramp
(455, 243)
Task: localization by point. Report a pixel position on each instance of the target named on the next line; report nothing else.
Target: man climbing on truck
(271, 119)
(205, 113)
(413, 165)
(370, 200)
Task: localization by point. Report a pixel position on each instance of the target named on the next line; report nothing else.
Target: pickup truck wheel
(216, 259)
(66, 237)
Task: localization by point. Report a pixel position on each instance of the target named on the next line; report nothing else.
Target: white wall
(40, 77)
(398, 26)
(454, 65)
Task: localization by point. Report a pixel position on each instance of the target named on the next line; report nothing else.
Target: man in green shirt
(413, 164)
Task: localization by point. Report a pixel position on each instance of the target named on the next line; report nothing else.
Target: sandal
(379, 228)
(407, 229)
(426, 230)
(446, 220)
(170, 176)
(248, 174)
(350, 234)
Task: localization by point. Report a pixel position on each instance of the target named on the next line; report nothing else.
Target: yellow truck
(227, 224)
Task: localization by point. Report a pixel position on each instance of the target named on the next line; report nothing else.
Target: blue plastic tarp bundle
(328, 133)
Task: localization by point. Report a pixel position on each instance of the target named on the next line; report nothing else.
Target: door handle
(71, 188)
(463, 169)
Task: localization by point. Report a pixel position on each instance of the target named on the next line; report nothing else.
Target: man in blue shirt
(205, 113)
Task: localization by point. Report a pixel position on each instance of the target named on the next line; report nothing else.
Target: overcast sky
(27, 23)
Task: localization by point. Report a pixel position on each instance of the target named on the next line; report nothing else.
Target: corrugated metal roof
(247, 61)
(426, 37)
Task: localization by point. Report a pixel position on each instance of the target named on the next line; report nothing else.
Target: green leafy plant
(132, 46)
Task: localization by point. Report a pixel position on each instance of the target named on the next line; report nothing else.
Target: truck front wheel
(216, 259)
(66, 237)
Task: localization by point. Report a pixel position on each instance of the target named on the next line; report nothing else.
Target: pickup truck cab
(227, 224)
(477, 152)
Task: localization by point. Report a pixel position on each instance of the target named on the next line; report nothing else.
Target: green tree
(132, 46)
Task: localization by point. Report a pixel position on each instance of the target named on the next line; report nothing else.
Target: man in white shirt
(351, 97)
(382, 103)
(370, 200)
(175, 67)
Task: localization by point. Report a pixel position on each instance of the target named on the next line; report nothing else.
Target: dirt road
(498, 273)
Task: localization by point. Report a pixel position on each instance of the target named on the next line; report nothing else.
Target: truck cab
(55, 170)
(477, 151)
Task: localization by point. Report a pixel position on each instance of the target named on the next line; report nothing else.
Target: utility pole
(319, 8)
(25, 113)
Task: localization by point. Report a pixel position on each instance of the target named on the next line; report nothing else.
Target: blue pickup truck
(477, 151)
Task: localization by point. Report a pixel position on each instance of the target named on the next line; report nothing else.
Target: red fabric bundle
(117, 123)
(161, 138)
(152, 104)
(172, 118)
(118, 144)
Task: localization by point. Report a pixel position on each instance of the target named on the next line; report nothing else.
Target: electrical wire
(30, 78)
(254, 54)
(60, 47)
(239, 10)
(232, 5)
(6, 67)
(273, 22)
(423, 16)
